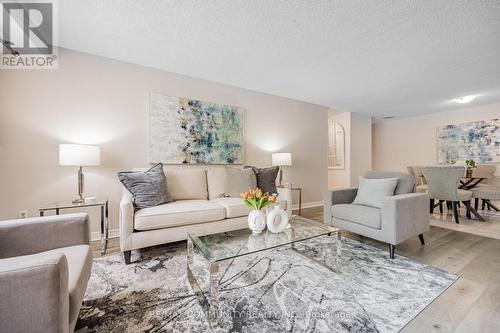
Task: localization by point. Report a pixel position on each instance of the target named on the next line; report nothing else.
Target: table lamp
(281, 160)
(80, 156)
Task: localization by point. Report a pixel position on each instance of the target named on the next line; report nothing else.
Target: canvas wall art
(478, 141)
(188, 131)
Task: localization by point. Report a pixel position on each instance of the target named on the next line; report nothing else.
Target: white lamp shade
(79, 155)
(282, 159)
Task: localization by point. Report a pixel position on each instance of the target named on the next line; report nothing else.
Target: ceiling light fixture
(465, 99)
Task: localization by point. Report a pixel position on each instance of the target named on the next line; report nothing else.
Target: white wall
(399, 143)
(95, 100)
(358, 149)
(361, 147)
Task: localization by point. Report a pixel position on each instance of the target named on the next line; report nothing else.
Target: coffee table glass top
(228, 245)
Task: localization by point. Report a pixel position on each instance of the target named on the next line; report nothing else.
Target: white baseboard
(310, 204)
(96, 235)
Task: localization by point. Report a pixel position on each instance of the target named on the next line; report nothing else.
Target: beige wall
(412, 141)
(358, 149)
(361, 147)
(95, 100)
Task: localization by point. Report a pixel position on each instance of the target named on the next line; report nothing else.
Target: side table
(299, 189)
(102, 203)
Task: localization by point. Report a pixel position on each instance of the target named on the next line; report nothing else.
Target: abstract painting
(188, 131)
(478, 141)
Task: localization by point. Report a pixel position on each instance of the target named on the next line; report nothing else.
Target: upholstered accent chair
(401, 217)
(443, 182)
(45, 264)
(420, 182)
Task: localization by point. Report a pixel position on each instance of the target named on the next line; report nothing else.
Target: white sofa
(198, 206)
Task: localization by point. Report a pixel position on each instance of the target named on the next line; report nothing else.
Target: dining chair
(486, 171)
(418, 177)
(443, 183)
(487, 194)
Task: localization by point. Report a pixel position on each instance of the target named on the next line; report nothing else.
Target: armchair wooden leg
(431, 206)
(455, 211)
(441, 207)
(392, 248)
(421, 237)
(126, 255)
(483, 204)
(476, 203)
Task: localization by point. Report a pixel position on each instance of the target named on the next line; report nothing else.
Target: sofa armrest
(405, 216)
(126, 220)
(333, 197)
(38, 234)
(34, 293)
(285, 194)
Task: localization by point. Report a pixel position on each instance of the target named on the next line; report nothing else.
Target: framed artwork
(188, 131)
(478, 141)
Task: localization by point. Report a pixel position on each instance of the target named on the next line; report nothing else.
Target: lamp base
(78, 200)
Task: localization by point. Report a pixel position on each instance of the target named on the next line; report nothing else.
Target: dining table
(467, 183)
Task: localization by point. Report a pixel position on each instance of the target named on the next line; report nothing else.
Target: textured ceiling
(381, 58)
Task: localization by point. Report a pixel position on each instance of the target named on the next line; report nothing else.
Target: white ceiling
(380, 58)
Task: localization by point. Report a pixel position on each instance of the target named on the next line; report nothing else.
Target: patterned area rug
(489, 228)
(274, 291)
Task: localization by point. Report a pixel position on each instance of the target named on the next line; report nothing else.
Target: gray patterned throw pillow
(148, 188)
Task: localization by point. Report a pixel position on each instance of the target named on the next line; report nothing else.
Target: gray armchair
(402, 216)
(45, 265)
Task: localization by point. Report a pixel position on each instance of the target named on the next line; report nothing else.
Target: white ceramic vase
(257, 221)
(277, 220)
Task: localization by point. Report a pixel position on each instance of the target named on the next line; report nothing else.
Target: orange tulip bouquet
(256, 200)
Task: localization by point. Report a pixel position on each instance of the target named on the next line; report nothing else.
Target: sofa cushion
(364, 215)
(266, 178)
(187, 183)
(79, 259)
(234, 206)
(216, 176)
(372, 192)
(405, 183)
(238, 181)
(177, 213)
(148, 188)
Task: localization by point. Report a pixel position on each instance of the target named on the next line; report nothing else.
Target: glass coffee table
(216, 248)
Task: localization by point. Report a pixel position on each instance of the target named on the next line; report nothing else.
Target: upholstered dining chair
(443, 183)
(487, 194)
(418, 177)
(486, 171)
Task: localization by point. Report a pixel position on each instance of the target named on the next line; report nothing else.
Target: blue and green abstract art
(188, 131)
(478, 141)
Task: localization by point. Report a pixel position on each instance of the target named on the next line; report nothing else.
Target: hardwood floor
(470, 305)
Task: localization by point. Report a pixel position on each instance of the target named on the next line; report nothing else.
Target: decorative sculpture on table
(257, 200)
(277, 220)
